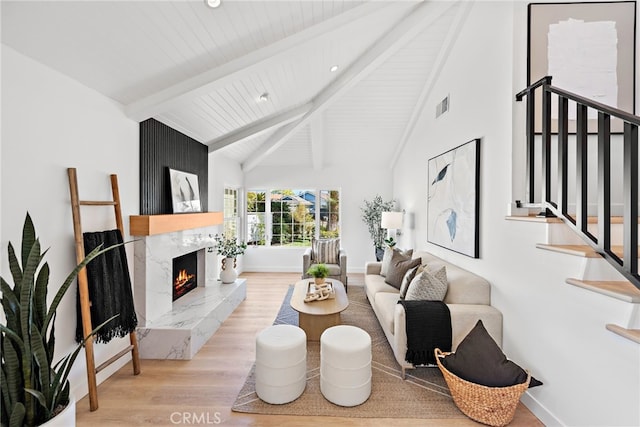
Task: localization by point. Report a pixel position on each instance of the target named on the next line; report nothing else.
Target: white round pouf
(345, 365)
(281, 363)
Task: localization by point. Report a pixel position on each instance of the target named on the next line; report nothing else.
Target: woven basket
(494, 406)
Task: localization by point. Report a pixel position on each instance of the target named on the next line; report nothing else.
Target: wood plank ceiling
(202, 70)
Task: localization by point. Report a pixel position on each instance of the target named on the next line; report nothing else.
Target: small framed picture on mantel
(185, 192)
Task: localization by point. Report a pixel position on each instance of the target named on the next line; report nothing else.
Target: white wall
(50, 123)
(591, 376)
(224, 173)
(355, 185)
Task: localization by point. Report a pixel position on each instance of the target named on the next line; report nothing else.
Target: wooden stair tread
(579, 250)
(630, 334)
(622, 290)
(534, 218)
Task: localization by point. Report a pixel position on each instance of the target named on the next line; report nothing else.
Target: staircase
(608, 243)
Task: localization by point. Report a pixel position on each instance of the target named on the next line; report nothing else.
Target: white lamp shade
(391, 220)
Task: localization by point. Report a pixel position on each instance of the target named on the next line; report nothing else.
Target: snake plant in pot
(34, 388)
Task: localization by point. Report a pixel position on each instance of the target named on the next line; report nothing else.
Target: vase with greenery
(229, 248)
(34, 388)
(372, 215)
(319, 272)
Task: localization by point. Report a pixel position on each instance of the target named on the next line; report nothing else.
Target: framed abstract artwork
(588, 48)
(185, 193)
(453, 199)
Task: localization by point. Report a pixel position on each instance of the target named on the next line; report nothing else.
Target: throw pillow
(398, 268)
(408, 277)
(428, 286)
(388, 254)
(386, 261)
(325, 251)
(478, 359)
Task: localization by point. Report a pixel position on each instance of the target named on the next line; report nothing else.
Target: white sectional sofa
(468, 298)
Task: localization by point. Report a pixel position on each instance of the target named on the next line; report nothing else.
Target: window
(292, 222)
(291, 217)
(256, 218)
(329, 213)
(231, 217)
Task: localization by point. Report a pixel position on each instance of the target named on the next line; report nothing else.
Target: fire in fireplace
(185, 270)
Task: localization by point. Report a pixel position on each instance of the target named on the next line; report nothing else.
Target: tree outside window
(231, 216)
(290, 217)
(256, 218)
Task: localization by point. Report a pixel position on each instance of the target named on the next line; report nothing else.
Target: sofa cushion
(385, 303)
(399, 266)
(430, 286)
(374, 283)
(465, 287)
(479, 360)
(388, 255)
(465, 316)
(325, 251)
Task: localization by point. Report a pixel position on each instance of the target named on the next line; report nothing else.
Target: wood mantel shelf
(149, 225)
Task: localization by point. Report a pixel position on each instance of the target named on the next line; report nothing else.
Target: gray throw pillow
(388, 254)
(429, 286)
(386, 261)
(399, 266)
(325, 251)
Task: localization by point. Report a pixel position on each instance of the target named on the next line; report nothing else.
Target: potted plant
(319, 272)
(34, 389)
(229, 248)
(372, 215)
(391, 242)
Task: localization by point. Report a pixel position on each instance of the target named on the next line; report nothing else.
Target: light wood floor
(201, 391)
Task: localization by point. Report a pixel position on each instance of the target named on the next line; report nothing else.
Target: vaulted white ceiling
(202, 70)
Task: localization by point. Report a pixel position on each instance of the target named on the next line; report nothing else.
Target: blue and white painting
(452, 200)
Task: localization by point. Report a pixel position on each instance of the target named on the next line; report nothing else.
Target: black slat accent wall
(161, 148)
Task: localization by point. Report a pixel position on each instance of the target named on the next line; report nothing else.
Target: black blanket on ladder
(109, 288)
(428, 327)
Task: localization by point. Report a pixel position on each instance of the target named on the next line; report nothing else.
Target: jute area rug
(424, 394)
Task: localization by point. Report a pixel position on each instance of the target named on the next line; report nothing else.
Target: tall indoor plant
(34, 389)
(372, 215)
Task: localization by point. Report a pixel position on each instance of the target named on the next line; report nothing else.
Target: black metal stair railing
(557, 204)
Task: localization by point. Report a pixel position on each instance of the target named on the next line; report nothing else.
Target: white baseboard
(539, 410)
(283, 269)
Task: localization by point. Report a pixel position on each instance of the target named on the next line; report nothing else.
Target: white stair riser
(561, 234)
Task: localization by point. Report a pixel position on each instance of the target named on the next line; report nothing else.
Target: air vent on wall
(442, 107)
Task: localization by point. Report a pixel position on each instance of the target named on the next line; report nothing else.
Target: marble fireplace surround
(170, 329)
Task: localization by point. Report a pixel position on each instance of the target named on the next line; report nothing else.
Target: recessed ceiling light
(213, 3)
(333, 68)
(264, 97)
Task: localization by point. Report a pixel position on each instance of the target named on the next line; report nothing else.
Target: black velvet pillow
(478, 359)
(398, 267)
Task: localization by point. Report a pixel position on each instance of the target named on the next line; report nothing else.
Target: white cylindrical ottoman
(345, 365)
(281, 363)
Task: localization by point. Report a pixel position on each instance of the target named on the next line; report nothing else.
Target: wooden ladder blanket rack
(83, 288)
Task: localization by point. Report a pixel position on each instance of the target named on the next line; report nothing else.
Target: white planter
(66, 418)
(228, 274)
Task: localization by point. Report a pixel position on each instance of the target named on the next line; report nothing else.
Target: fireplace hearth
(185, 274)
(177, 329)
